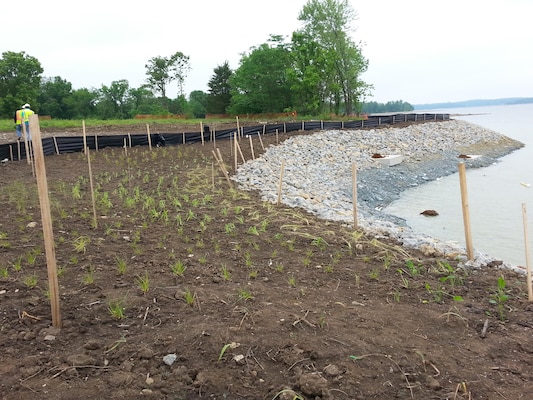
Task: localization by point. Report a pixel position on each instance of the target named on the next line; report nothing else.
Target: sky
(419, 51)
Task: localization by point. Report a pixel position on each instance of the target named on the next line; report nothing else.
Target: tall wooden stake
(48, 234)
(149, 137)
(280, 180)
(95, 219)
(251, 147)
(466, 212)
(528, 263)
(354, 195)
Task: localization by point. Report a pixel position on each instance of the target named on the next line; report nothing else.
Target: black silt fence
(71, 144)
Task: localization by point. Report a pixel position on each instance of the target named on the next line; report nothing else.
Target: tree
(261, 83)
(197, 103)
(219, 96)
(162, 71)
(328, 23)
(82, 103)
(115, 97)
(53, 98)
(20, 78)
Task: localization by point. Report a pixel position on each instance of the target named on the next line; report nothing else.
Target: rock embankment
(317, 172)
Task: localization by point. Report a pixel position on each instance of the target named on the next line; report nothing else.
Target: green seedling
(121, 265)
(245, 295)
(4, 272)
(500, 297)
(88, 279)
(31, 281)
(178, 268)
(320, 243)
(80, 244)
(292, 281)
(189, 297)
(143, 282)
(17, 265)
(116, 309)
(226, 274)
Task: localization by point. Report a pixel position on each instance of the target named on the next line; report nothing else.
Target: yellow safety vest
(26, 112)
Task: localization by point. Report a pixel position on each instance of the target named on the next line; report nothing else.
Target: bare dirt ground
(189, 289)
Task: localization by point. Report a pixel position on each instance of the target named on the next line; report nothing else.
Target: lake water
(495, 193)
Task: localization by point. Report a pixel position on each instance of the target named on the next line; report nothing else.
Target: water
(495, 193)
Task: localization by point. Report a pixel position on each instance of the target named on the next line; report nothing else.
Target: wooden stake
(48, 234)
(280, 181)
(56, 146)
(96, 141)
(220, 163)
(528, 263)
(240, 151)
(149, 137)
(235, 161)
(202, 132)
(466, 213)
(19, 155)
(125, 148)
(238, 128)
(183, 137)
(277, 137)
(251, 147)
(261, 141)
(129, 140)
(354, 195)
(95, 220)
(84, 136)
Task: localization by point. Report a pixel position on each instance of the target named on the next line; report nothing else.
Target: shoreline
(317, 175)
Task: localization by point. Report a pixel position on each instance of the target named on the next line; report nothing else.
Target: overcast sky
(419, 51)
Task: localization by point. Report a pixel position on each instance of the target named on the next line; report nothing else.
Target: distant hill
(475, 103)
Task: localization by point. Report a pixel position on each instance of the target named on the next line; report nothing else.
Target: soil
(224, 296)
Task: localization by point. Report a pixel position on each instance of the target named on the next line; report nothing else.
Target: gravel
(317, 174)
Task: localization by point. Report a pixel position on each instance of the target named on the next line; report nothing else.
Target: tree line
(317, 72)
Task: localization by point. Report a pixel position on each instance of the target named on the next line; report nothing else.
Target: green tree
(20, 79)
(307, 86)
(162, 71)
(82, 103)
(115, 98)
(53, 98)
(219, 96)
(261, 82)
(328, 23)
(197, 103)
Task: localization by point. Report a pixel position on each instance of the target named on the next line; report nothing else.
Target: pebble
(317, 173)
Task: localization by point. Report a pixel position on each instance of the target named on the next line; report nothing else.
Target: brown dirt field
(249, 300)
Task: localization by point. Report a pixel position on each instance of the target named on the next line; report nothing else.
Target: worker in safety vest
(22, 116)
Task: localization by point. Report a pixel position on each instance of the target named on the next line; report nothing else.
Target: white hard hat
(26, 105)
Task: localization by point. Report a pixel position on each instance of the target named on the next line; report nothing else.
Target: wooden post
(528, 263)
(96, 141)
(236, 163)
(277, 137)
(149, 137)
(466, 213)
(19, 155)
(84, 136)
(214, 132)
(129, 140)
(240, 151)
(238, 128)
(11, 152)
(261, 141)
(220, 163)
(48, 234)
(321, 125)
(125, 148)
(95, 220)
(183, 137)
(303, 125)
(202, 132)
(251, 147)
(280, 180)
(55, 145)
(354, 195)
(284, 127)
